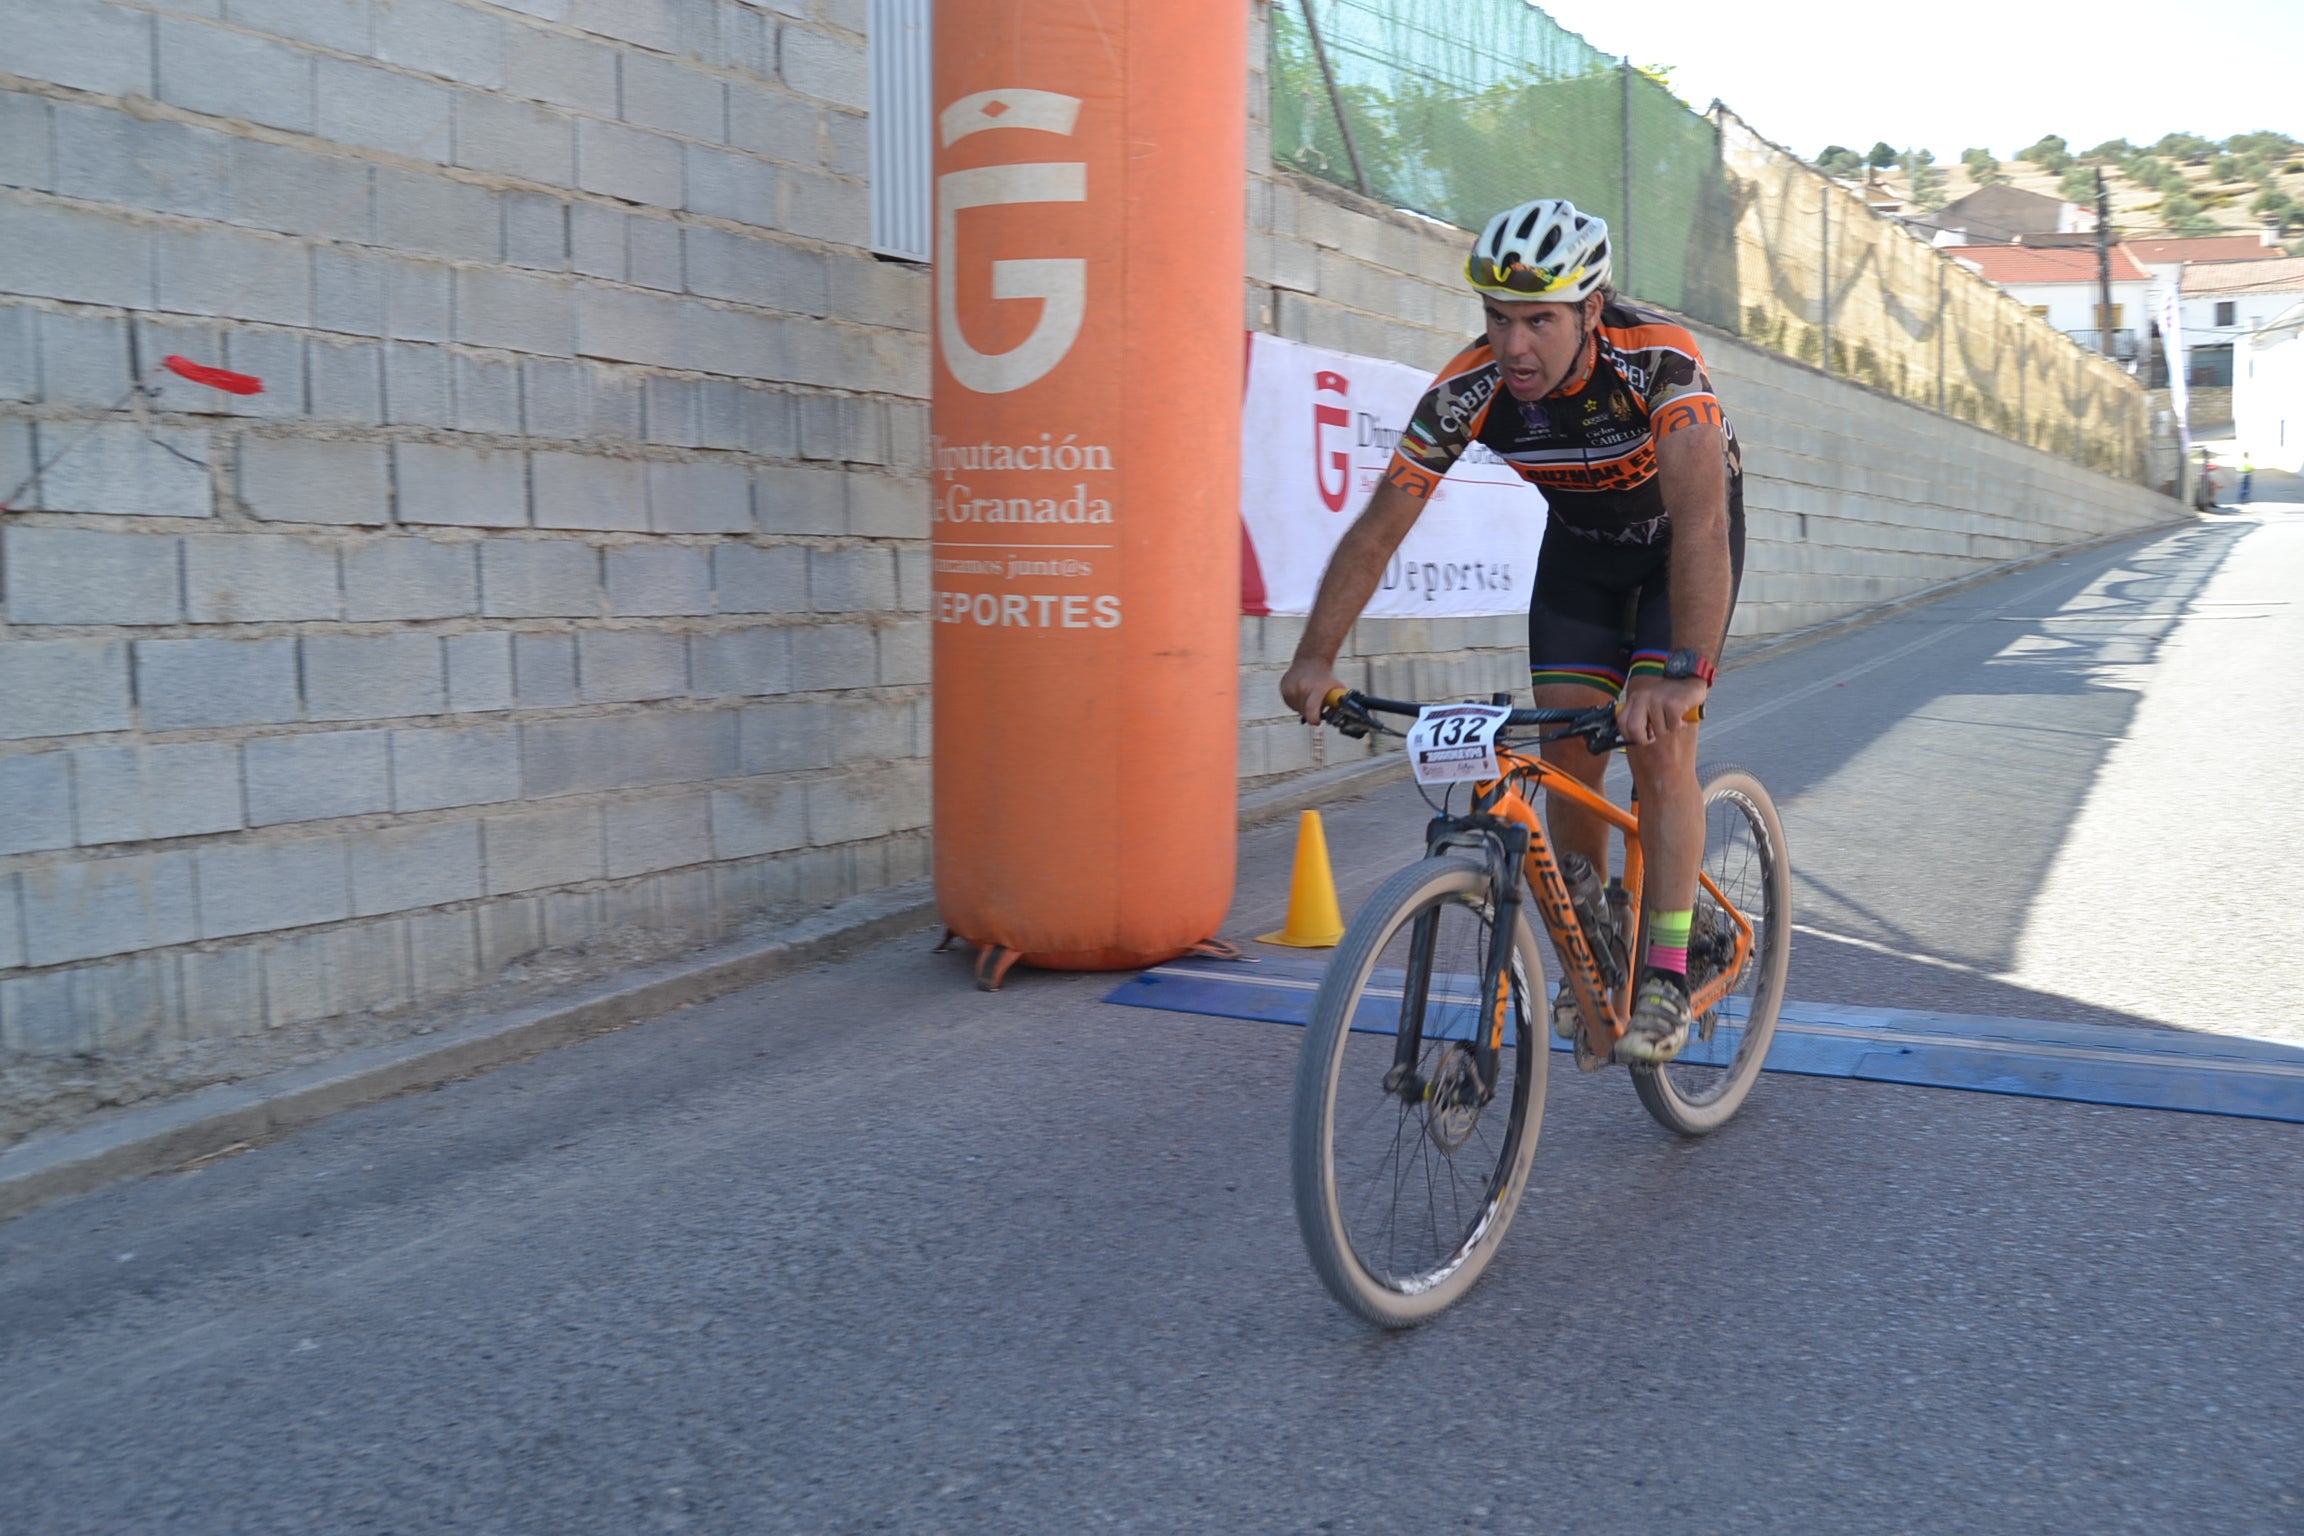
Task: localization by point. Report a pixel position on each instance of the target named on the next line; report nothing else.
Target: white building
(2226, 301)
(2166, 260)
(2268, 392)
(2058, 283)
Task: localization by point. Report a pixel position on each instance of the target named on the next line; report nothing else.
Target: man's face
(1537, 344)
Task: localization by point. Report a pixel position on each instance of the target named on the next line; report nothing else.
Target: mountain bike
(1421, 1084)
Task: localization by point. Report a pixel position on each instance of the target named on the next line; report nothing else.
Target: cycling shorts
(1603, 612)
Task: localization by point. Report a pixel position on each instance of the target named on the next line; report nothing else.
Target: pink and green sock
(1668, 943)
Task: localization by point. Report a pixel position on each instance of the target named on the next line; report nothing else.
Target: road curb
(152, 1139)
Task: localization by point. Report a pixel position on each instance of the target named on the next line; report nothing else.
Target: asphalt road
(865, 1250)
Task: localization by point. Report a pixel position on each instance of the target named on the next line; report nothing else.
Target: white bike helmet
(1543, 250)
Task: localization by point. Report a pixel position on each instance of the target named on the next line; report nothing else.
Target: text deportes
(1012, 610)
(1435, 578)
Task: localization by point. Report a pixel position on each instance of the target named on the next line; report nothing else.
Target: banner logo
(1328, 453)
(1319, 430)
(1059, 282)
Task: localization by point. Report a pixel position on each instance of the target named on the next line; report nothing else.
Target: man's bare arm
(1693, 465)
(1345, 588)
(1694, 472)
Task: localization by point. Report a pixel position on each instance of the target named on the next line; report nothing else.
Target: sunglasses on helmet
(1516, 276)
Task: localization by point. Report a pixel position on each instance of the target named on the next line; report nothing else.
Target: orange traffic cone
(1313, 919)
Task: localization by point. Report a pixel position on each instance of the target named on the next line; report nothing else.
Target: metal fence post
(1335, 99)
(1624, 235)
(1941, 392)
(1824, 265)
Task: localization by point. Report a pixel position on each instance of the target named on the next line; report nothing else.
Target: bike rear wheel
(1404, 1192)
(1744, 855)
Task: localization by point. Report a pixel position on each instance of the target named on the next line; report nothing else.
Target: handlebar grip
(1332, 698)
(1694, 714)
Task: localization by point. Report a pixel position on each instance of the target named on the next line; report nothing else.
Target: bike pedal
(1586, 1061)
(1567, 1019)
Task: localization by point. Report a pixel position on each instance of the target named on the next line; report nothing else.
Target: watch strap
(1690, 664)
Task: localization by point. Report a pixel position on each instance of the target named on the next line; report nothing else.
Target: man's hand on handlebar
(1306, 685)
(1655, 706)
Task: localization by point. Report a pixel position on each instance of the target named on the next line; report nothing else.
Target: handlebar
(1354, 714)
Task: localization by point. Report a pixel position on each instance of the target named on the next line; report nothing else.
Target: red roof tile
(2245, 276)
(2045, 263)
(2203, 248)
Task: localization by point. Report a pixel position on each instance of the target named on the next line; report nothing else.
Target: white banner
(2172, 342)
(1315, 436)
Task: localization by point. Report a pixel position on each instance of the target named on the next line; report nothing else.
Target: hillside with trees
(2180, 185)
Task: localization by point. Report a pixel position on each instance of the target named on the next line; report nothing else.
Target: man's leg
(1576, 660)
(1571, 828)
(1671, 815)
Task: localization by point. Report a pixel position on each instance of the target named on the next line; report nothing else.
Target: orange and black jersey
(1590, 447)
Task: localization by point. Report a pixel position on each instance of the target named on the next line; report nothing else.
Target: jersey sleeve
(1679, 390)
(1443, 424)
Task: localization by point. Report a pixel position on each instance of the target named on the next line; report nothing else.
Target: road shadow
(1926, 796)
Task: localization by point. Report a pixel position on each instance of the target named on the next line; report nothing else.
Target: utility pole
(2103, 266)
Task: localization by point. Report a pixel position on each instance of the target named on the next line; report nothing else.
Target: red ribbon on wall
(215, 378)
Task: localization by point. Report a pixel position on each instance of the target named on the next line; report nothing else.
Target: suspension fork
(1496, 975)
(1504, 848)
(1416, 987)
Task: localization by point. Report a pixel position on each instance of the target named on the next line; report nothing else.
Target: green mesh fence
(1460, 107)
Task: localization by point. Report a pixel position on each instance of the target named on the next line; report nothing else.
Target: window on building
(2227, 312)
(902, 107)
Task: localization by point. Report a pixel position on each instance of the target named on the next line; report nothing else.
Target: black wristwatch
(1680, 664)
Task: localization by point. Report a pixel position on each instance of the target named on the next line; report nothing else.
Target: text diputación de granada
(957, 504)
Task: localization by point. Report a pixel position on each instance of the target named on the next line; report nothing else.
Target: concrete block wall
(1853, 497)
(561, 598)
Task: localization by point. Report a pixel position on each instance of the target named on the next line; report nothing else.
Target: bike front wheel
(1745, 858)
(1407, 1165)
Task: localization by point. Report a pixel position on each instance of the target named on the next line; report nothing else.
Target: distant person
(2247, 475)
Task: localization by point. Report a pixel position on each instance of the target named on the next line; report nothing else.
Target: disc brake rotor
(1452, 1101)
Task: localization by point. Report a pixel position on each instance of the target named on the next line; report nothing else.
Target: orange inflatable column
(1085, 435)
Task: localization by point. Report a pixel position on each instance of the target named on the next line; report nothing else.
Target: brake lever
(1349, 719)
(1598, 728)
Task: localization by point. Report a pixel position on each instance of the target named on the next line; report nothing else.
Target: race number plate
(1450, 743)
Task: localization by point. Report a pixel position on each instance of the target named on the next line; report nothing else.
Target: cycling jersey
(1589, 446)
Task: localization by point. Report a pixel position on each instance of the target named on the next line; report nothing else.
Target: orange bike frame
(1606, 1011)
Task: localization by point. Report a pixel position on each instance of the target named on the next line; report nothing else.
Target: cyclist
(1609, 410)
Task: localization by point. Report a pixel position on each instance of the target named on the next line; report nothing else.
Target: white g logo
(1059, 282)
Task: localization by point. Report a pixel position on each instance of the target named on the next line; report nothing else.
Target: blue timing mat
(2038, 1058)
